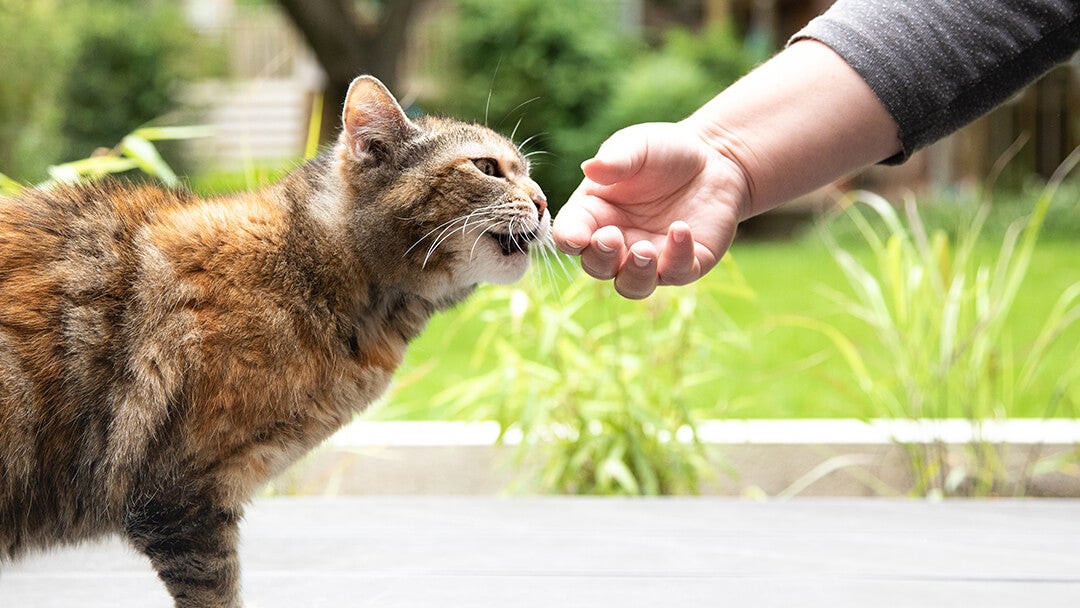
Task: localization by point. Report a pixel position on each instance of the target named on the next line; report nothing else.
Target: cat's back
(66, 253)
(92, 225)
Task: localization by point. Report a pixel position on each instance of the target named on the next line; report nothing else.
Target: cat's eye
(488, 166)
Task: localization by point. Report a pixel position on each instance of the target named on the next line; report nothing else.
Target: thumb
(619, 158)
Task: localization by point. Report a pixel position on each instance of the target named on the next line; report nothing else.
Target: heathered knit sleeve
(937, 65)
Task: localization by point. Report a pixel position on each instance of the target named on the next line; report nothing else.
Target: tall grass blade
(146, 156)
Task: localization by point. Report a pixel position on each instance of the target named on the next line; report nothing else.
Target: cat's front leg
(192, 547)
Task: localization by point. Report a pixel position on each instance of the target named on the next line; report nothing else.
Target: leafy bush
(545, 63)
(28, 138)
(564, 75)
(674, 80)
(82, 73)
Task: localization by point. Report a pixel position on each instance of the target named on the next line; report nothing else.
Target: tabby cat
(162, 355)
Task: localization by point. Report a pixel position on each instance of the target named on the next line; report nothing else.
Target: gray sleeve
(936, 65)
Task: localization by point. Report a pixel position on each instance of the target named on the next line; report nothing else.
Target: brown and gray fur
(162, 356)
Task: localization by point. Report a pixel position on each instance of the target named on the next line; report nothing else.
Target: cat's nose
(536, 194)
(540, 201)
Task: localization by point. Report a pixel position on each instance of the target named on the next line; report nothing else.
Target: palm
(678, 178)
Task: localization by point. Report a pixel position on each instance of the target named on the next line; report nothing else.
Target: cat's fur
(162, 355)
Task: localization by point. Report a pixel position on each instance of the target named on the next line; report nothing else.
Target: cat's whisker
(522, 145)
(442, 238)
(465, 225)
(550, 253)
(567, 271)
(446, 227)
(439, 240)
(516, 108)
(514, 132)
(549, 271)
(479, 221)
(435, 245)
(522, 247)
(491, 89)
(472, 250)
(433, 231)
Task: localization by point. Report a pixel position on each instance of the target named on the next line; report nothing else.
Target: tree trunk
(347, 47)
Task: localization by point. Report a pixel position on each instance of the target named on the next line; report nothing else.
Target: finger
(637, 278)
(619, 158)
(604, 255)
(677, 264)
(574, 225)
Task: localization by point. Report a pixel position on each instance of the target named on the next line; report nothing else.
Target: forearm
(797, 122)
(939, 64)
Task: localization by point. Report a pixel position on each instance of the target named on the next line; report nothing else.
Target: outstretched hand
(658, 206)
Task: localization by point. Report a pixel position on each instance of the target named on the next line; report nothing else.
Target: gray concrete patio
(567, 552)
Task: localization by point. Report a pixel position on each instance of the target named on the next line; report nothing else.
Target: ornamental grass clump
(940, 344)
(595, 390)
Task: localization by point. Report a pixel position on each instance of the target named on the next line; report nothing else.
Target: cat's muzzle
(511, 243)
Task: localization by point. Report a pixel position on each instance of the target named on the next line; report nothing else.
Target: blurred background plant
(79, 74)
(940, 344)
(563, 75)
(600, 394)
(136, 152)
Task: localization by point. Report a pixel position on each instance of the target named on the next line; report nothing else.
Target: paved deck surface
(568, 552)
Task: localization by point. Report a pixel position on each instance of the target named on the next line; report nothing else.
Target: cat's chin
(499, 269)
(498, 258)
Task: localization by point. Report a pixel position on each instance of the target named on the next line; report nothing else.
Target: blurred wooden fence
(260, 110)
(1045, 115)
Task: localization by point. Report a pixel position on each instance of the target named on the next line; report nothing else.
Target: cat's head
(445, 202)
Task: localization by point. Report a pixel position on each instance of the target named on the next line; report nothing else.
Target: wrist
(799, 121)
(731, 149)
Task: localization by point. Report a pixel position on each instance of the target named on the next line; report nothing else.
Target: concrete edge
(777, 458)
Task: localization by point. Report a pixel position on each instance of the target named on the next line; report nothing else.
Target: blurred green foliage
(564, 75)
(78, 74)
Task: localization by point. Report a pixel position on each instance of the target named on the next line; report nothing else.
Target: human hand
(658, 206)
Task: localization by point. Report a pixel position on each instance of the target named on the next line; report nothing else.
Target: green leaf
(9, 186)
(616, 469)
(173, 133)
(90, 168)
(147, 158)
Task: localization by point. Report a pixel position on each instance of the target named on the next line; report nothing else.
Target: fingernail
(679, 236)
(602, 246)
(641, 261)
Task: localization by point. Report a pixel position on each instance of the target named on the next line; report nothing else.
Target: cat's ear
(373, 121)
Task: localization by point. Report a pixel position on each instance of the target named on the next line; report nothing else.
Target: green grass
(809, 380)
(782, 372)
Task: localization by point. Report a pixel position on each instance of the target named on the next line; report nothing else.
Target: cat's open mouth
(511, 243)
